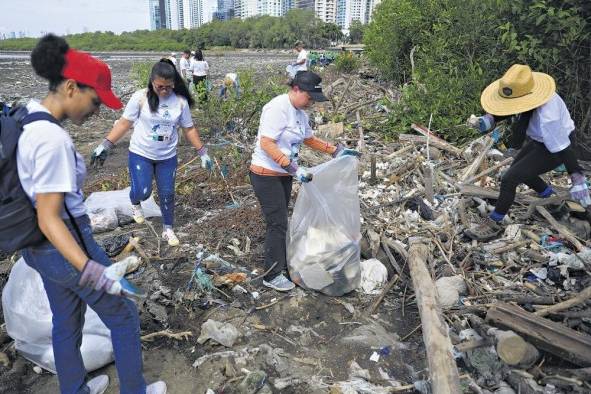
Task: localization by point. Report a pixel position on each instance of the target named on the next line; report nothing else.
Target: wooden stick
(474, 178)
(576, 300)
(184, 335)
(435, 142)
(511, 246)
(475, 165)
(361, 142)
(442, 366)
(385, 291)
(560, 228)
(476, 191)
(393, 262)
(433, 138)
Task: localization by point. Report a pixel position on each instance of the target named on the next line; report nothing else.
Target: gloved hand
(342, 150)
(99, 155)
(109, 279)
(482, 123)
(300, 173)
(205, 159)
(579, 191)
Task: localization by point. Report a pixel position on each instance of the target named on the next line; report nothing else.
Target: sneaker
(98, 385)
(171, 237)
(486, 230)
(138, 213)
(280, 283)
(156, 388)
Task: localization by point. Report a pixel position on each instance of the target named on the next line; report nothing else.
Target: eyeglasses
(161, 88)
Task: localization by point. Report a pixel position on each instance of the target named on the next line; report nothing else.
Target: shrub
(346, 62)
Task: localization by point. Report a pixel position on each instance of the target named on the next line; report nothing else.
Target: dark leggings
(531, 162)
(273, 193)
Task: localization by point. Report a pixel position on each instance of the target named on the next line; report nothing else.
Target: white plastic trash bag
(103, 208)
(28, 322)
(291, 70)
(323, 250)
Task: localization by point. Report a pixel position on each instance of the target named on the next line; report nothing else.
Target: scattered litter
(223, 333)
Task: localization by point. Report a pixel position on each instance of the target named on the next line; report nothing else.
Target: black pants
(197, 79)
(533, 160)
(273, 193)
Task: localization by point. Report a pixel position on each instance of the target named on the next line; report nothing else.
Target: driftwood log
(443, 371)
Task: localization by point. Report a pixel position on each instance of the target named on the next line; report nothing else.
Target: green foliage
(140, 74)
(256, 32)
(238, 114)
(356, 31)
(346, 62)
(459, 46)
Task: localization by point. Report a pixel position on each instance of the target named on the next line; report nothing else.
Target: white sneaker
(98, 385)
(138, 213)
(280, 283)
(156, 388)
(171, 237)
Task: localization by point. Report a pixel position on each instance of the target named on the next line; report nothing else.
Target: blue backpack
(18, 217)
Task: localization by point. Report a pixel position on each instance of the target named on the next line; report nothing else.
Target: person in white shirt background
(156, 113)
(301, 63)
(185, 67)
(199, 68)
(172, 58)
(76, 272)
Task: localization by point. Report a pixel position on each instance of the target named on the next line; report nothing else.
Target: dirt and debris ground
(299, 337)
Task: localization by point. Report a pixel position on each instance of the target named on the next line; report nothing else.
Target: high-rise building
(160, 14)
(225, 10)
(176, 14)
(270, 7)
(326, 10)
(246, 8)
(304, 4)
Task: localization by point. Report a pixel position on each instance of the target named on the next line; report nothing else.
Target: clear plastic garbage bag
(323, 251)
(28, 322)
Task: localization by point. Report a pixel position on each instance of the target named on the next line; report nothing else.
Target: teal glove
(99, 155)
(342, 150)
(300, 173)
(109, 279)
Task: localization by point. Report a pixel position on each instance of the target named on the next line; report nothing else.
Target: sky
(72, 16)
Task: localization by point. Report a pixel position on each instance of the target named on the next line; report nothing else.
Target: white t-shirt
(155, 135)
(173, 60)
(285, 124)
(302, 55)
(199, 68)
(185, 65)
(551, 124)
(47, 162)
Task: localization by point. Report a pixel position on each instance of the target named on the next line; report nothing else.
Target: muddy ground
(297, 338)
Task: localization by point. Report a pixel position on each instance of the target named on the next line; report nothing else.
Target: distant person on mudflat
(185, 67)
(156, 113)
(301, 63)
(231, 83)
(76, 272)
(200, 68)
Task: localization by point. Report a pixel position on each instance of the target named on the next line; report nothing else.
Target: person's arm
(49, 207)
(320, 145)
(193, 137)
(120, 128)
(270, 147)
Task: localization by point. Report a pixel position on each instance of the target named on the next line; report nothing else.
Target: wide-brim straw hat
(519, 90)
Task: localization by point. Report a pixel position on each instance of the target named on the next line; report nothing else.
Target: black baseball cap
(311, 83)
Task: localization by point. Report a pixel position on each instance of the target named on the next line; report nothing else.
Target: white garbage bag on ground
(103, 208)
(28, 322)
(323, 250)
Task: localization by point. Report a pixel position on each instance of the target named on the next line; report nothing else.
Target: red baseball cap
(88, 70)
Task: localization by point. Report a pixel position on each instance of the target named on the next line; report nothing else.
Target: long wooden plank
(475, 165)
(433, 138)
(560, 228)
(552, 337)
(443, 370)
(476, 191)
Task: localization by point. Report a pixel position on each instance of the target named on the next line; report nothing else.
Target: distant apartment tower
(225, 10)
(246, 8)
(304, 4)
(270, 7)
(175, 14)
(326, 10)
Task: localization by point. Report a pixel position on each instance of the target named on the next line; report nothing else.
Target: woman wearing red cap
(156, 113)
(76, 272)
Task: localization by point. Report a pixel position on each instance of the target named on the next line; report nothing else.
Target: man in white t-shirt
(185, 67)
(301, 63)
(172, 58)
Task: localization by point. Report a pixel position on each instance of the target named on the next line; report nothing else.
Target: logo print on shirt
(166, 115)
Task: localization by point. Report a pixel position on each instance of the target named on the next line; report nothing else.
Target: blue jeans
(142, 171)
(68, 303)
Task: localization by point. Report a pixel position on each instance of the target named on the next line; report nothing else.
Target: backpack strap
(37, 116)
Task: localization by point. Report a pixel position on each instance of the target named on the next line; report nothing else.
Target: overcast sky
(73, 16)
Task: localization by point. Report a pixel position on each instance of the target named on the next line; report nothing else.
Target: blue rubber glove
(299, 173)
(496, 135)
(342, 150)
(205, 159)
(579, 191)
(109, 279)
(482, 123)
(99, 155)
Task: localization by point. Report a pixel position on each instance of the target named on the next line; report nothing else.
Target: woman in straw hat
(541, 113)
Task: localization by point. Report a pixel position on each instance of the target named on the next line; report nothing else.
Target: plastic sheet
(323, 249)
